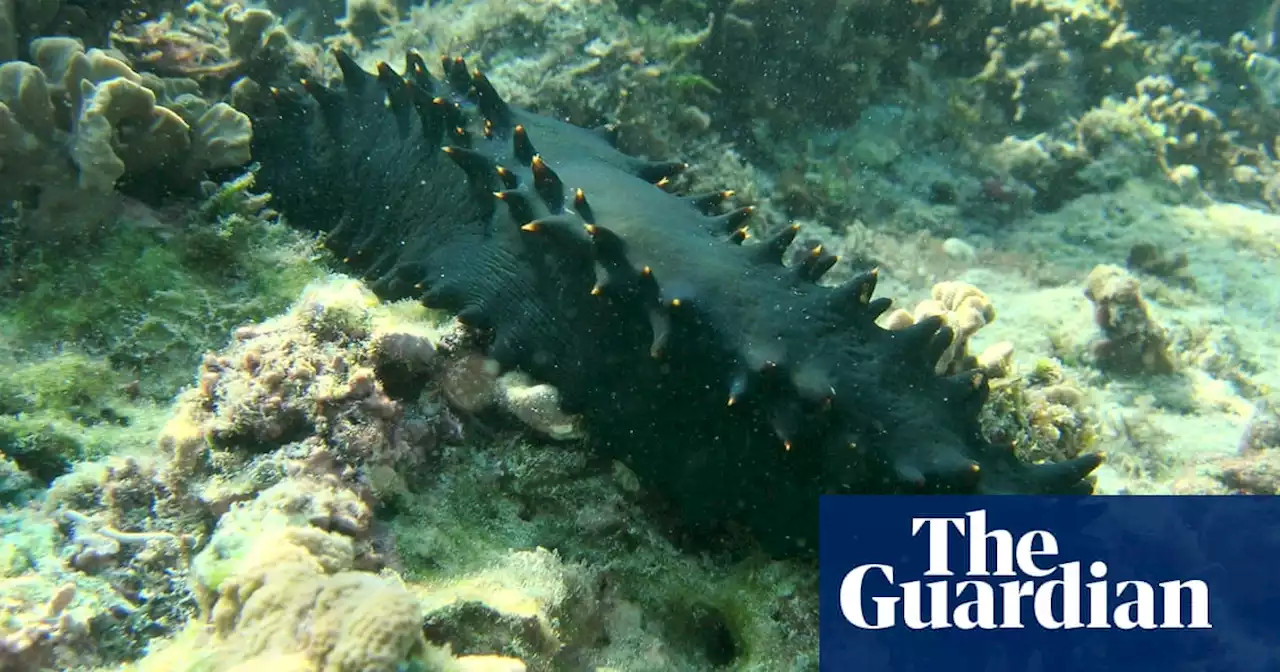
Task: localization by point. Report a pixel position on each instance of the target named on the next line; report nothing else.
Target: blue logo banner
(1050, 584)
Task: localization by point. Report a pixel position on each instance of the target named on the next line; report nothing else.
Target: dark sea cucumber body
(738, 388)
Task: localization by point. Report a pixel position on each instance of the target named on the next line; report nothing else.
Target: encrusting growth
(1133, 342)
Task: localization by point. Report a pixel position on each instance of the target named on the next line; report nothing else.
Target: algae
(150, 296)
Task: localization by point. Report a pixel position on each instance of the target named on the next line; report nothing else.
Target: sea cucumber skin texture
(402, 175)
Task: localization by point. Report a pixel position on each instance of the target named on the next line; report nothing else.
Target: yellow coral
(292, 603)
(965, 310)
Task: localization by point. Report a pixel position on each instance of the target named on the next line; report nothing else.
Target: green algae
(95, 339)
(52, 413)
(150, 296)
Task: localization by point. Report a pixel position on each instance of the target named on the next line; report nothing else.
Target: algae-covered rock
(151, 292)
(53, 412)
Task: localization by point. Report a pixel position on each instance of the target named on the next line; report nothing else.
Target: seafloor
(209, 459)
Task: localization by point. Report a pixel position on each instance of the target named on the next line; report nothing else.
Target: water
(233, 436)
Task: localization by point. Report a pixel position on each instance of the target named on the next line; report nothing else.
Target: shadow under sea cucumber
(737, 387)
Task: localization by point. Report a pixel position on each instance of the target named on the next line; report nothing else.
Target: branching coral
(1055, 56)
(1201, 113)
(1187, 139)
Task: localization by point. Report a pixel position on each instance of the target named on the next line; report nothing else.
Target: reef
(736, 385)
(79, 123)
(303, 483)
(90, 21)
(418, 492)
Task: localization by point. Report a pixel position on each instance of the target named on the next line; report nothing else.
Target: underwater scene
(504, 335)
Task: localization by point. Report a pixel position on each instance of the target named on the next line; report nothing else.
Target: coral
(1254, 475)
(769, 74)
(1188, 140)
(1201, 113)
(304, 429)
(337, 361)
(87, 20)
(28, 636)
(585, 63)
(1056, 56)
(1263, 430)
(96, 545)
(136, 524)
(365, 20)
(287, 579)
(1234, 79)
(285, 440)
(219, 48)
(1058, 170)
(1151, 259)
(1133, 341)
(53, 616)
(965, 309)
(1043, 413)
(190, 552)
(1253, 470)
(77, 122)
(1206, 19)
(133, 525)
(120, 530)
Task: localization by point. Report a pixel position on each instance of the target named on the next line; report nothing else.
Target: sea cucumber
(737, 387)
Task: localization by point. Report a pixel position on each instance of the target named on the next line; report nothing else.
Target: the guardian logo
(1013, 583)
